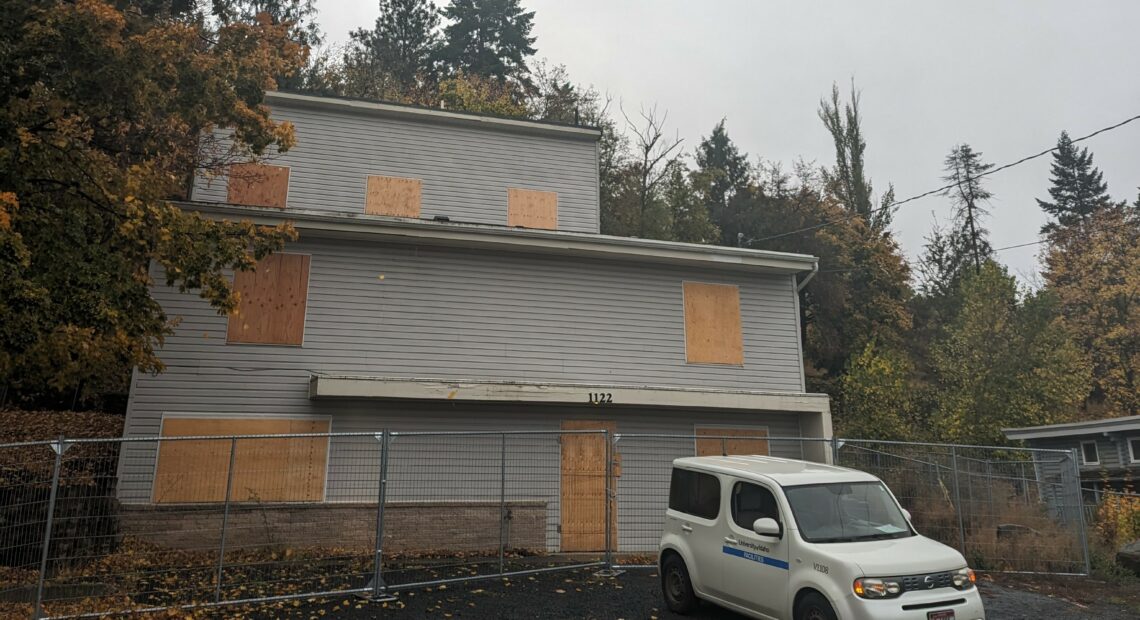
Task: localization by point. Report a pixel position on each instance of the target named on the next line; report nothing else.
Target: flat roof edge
(515, 239)
(431, 115)
(1109, 425)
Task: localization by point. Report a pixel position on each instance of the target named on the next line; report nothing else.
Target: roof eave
(1096, 427)
(430, 115)
(501, 238)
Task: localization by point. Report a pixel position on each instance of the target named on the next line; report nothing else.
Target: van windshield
(846, 512)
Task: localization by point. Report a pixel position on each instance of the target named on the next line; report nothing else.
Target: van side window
(751, 502)
(695, 493)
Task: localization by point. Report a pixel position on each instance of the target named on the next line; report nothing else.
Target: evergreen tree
(1078, 187)
(690, 220)
(963, 168)
(726, 173)
(488, 38)
(847, 181)
(400, 48)
(946, 257)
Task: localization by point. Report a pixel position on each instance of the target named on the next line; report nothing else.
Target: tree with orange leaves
(100, 122)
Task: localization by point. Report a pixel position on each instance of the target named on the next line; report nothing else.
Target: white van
(778, 538)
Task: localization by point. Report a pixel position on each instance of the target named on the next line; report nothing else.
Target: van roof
(785, 472)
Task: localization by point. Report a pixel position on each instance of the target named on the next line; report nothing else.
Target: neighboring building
(450, 275)
(1107, 450)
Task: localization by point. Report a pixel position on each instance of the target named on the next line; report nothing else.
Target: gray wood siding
(465, 171)
(406, 311)
(1113, 452)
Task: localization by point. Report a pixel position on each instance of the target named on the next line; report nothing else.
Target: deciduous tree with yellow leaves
(101, 110)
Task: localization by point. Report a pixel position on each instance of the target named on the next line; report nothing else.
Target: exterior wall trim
(325, 387)
(500, 238)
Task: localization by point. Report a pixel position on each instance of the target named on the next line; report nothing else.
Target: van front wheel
(814, 606)
(678, 589)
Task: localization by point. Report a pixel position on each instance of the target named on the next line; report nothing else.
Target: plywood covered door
(720, 441)
(583, 497)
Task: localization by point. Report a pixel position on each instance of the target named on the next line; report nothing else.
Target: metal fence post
(609, 569)
(834, 450)
(502, 495)
(58, 447)
(1080, 498)
(225, 521)
(958, 500)
(609, 495)
(379, 588)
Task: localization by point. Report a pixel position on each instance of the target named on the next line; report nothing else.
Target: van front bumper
(966, 605)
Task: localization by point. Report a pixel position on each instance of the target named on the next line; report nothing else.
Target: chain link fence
(95, 526)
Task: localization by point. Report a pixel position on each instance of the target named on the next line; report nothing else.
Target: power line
(1041, 241)
(939, 190)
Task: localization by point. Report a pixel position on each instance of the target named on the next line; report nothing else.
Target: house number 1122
(601, 398)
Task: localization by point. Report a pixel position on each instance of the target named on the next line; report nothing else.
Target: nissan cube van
(784, 539)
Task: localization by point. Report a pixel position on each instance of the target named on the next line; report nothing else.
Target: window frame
(732, 505)
(229, 341)
(692, 357)
(694, 493)
(1084, 455)
(1133, 455)
(288, 184)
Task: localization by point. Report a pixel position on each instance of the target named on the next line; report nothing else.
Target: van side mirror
(906, 513)
(767, 526)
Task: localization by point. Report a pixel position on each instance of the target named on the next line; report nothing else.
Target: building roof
(784, 472)
(432, 115)
(1091, 427)
(513, 239)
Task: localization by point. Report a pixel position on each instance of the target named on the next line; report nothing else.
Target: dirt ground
(636, 595)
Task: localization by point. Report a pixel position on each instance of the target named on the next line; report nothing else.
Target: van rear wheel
(814, 606)
(677, 587)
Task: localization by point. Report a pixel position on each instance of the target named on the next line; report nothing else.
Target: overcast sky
(1006, 77)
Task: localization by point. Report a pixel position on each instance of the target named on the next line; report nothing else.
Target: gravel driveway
(633, 595)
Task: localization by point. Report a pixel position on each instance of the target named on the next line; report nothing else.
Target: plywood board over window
(258, 185)
(532, 209)
(393, 196)
(268, 470)
(718, 441)
(272, 300)
(712, 324)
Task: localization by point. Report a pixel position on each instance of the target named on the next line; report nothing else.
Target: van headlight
(876, 588)
(964, 578)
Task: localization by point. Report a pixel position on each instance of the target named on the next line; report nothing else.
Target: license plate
(941, 615)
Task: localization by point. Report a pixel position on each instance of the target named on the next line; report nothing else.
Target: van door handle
(686, 528)
(730, 540)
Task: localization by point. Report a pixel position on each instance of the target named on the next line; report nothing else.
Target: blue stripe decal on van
(755, 557)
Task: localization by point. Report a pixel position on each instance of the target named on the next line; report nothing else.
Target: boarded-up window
(258, 185)
(271, 309)
(532, 209)
(267, 470)
(712, 324)
(393, 196)
(716, 441)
